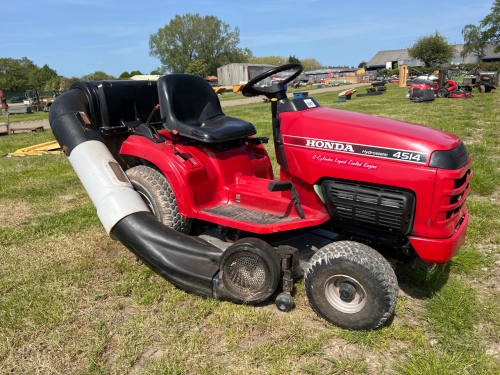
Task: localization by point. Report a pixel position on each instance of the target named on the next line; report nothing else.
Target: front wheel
(158, 195)
(481, 89)
(351, 285)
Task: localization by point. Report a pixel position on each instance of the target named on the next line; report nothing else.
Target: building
(145, 77)
(240, 73)
(387, 59)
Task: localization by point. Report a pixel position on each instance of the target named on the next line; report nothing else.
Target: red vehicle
(199, 203)
(450, 90)
(423, 89)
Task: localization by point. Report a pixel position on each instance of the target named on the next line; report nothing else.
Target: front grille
(462, 186)
(384, 208)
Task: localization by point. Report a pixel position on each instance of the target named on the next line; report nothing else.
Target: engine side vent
(380, 207)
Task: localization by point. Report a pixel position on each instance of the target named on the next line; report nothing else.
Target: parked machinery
(192, 192)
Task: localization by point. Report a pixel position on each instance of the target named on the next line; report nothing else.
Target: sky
(78, 37)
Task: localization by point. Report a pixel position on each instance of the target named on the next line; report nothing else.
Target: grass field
(24, 117)
(74, 301)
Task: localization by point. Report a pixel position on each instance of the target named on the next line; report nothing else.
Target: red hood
(344, 126)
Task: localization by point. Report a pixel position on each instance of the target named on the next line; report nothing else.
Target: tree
(198, 68)
(311, 63)
(475, 41)
(155, 72)
(97, 76)
(362, 64)
(22, 74)
(135, 73)
(491, 24)
(38, 77)
(432, 49)
(293, 59)
(125, 75)
(192, 37)
(269, 60)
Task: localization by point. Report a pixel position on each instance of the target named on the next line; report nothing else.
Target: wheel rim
(148, 202)
(345, 294)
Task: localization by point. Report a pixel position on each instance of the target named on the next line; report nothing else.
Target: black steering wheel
(272, 91)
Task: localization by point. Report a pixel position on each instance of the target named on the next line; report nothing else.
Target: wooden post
(403, 75)
(8, 122)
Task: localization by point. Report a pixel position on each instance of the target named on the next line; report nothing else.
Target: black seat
(189, 105)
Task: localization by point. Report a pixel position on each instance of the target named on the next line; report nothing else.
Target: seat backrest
(186, 99)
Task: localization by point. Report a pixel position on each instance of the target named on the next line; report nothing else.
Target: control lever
(149, 131)
(174, 134)
(152, 114)
(284, 186)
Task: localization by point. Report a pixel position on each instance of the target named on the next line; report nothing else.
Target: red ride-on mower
(199, 204)
(422, 91)
(449, 88)
(423, 88)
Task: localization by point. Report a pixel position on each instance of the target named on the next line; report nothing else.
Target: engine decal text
(354, 148)
(349, 162)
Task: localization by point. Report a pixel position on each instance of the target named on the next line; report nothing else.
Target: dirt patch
(14, 212)
(476, 137)
(152, 355)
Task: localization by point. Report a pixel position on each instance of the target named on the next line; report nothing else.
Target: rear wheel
(157, 193)
(351, 285)
(442, 93)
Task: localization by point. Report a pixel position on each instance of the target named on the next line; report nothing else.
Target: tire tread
(371, 260)
(159, 188)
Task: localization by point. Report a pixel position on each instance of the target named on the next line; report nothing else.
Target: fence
(21, 95)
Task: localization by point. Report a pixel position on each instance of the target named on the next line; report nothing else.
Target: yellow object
(219, 90)
(403, 75)
(274, 100)
(237, 88)
(47, 148)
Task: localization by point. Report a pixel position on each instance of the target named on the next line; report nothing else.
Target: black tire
(481, 89)
(284, 302)
(157, 193)
(442, 93)
(367, 286)
(487, 88)
(371, 89)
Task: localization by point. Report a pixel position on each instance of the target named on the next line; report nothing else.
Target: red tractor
(192, 193)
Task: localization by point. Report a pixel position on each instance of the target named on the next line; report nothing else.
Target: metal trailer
(235, 73)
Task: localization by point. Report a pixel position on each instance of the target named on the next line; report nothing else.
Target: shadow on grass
(421, 280)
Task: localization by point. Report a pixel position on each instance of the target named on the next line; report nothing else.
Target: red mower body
(221, 186)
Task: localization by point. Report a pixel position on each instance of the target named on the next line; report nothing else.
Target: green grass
(25, 117)
(74, 301)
